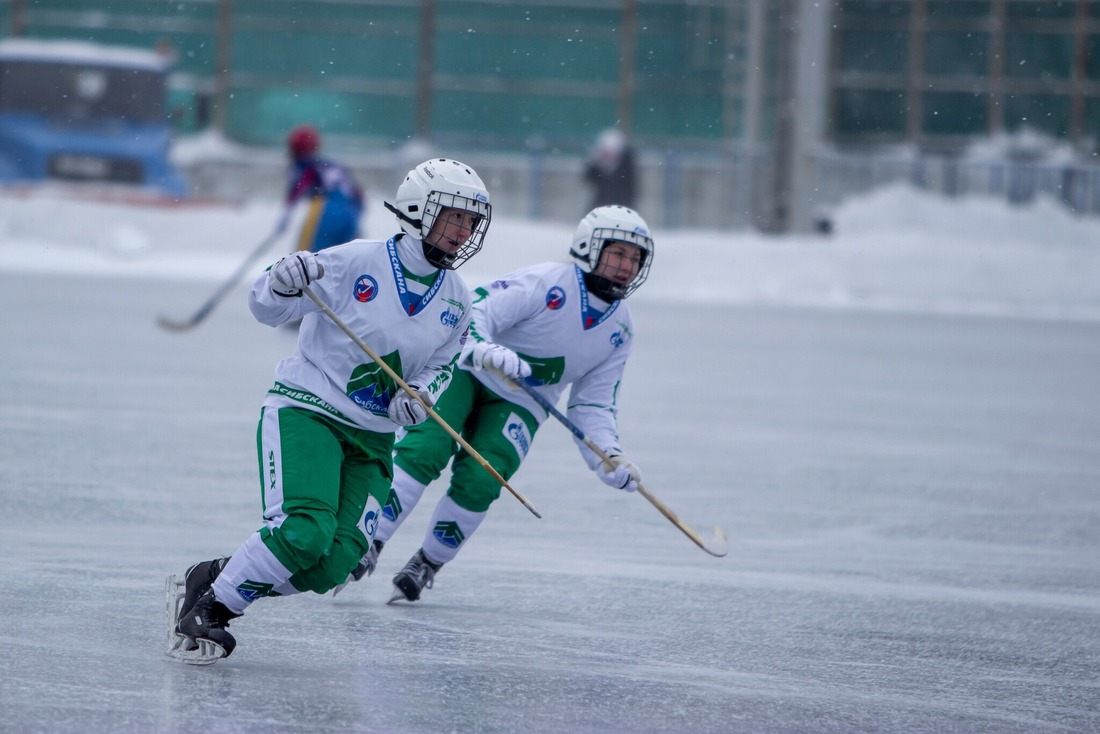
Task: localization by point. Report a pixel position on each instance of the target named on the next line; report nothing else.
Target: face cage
(436, 203)
(604, 235)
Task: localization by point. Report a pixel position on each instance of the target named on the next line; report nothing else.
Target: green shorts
(317, 480)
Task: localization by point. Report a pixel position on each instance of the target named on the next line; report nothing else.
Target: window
(954, 113)
(956, 54)
(870, 112)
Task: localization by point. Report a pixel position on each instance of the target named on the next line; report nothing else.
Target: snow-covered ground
(895, 250)
(897, 426)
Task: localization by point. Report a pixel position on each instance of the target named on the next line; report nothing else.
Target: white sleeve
(499, 306)
(593, 406)
(268, 307)
(273, 309)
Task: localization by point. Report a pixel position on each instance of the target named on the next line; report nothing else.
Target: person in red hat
(333, 197)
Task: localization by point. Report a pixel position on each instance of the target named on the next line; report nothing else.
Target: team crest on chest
(366, 288)
(555, 298)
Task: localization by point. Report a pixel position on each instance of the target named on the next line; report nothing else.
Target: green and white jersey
(414, 317)
(545, 314)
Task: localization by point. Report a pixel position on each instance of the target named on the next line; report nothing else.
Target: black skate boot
(205, 624)
(369, 562)
(197, 581)
(417, 575)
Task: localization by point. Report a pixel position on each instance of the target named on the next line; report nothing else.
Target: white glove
(620, 475)
(294, 272)
(404, 410)
(487, 355)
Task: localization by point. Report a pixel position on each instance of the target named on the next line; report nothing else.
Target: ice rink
(912, 499)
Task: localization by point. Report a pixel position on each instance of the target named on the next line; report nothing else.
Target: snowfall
(897, 427)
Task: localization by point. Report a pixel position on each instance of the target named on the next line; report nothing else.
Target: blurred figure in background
(333, 196)
(610, 170)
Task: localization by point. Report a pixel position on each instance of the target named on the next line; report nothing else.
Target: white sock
(449, 528)
(408, 491)
(252, 572)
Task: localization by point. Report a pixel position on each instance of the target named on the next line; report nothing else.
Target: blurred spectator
(610, 170)
(333, 196)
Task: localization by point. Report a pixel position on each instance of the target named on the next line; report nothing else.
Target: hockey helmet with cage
(303, 141)
(603, 225)
(430, 188)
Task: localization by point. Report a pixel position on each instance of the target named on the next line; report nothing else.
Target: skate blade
(398, 595)
(174, 592)
(195, 652)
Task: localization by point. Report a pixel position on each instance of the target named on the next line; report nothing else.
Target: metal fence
(483, 73)
(1077, 186)
(677, 189)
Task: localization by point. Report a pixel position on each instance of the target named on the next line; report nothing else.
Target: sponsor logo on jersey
(272, 474)
(372, 398)
(366, 288)
(555, 298)
(500, 284)
(617, 339)
(449, 318)
(448, 533)
(370, 519)
(515, 430)
(457, 304)
(371, 388)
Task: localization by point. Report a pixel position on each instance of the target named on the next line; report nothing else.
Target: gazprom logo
(481, 197)
(515, 430)
(617, 339)
(366, 288)
(449, 318)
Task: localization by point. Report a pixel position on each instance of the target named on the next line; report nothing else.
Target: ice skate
(417, 575)
(202, 637)
(365, 567)
(181, 592)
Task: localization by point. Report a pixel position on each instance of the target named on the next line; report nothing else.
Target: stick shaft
(653, 500)
(413, 393)
(205, 309)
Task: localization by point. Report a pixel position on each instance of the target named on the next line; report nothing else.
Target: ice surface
(898, 427)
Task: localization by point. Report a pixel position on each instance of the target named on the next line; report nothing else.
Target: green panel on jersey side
(369, 382)
(547, 370)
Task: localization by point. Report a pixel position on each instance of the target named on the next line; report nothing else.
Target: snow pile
(895, 249)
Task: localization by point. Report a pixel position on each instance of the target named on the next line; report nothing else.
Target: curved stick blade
(716, 545)
(169, 325)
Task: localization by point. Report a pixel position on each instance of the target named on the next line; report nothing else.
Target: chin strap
(418, 223)
(602, 287)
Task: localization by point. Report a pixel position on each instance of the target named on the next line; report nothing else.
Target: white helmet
(430, 188)
(606, 224)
